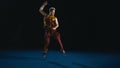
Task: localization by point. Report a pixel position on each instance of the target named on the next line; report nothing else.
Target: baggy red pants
(48, 35)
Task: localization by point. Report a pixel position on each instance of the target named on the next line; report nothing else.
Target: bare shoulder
(56, 18)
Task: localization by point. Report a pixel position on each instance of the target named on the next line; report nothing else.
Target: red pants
(47, 37)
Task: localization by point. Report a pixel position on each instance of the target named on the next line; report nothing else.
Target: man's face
(52, 12)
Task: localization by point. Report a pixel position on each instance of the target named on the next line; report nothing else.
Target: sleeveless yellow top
(49, 22)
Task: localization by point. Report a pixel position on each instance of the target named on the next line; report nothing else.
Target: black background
(22, 25)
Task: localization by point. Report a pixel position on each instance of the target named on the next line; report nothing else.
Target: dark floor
(55, 59)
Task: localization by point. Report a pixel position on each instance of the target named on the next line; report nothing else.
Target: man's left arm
(57, 24)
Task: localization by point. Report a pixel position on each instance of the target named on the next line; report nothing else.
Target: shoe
(63, 51)
(44, 55)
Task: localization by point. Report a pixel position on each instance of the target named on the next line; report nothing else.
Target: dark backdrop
(22, 25)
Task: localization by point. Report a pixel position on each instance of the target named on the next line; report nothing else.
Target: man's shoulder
(55, 17)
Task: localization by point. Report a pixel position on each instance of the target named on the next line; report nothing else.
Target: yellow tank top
(49, 22)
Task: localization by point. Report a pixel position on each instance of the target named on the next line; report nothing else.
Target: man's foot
(44, 55)
(63, 51)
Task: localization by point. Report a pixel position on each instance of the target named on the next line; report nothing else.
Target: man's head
(52, 11)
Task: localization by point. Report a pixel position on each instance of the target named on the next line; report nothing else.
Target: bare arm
(57, 24)
(42, 8)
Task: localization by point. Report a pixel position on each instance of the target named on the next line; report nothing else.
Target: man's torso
(49, 22)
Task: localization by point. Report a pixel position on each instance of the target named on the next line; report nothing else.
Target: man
(50, 25)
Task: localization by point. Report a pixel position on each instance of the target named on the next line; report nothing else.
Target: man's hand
(45, 3)
(54, 28)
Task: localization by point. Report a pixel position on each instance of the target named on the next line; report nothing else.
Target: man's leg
(59, 41)
(46, 42)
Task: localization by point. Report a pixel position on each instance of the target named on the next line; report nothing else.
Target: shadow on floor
(58, 64)
(80, 65)
(3, 56)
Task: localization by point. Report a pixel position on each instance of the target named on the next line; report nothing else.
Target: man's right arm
(42, 8)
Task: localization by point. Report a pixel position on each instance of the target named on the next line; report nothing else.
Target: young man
(50, 25)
